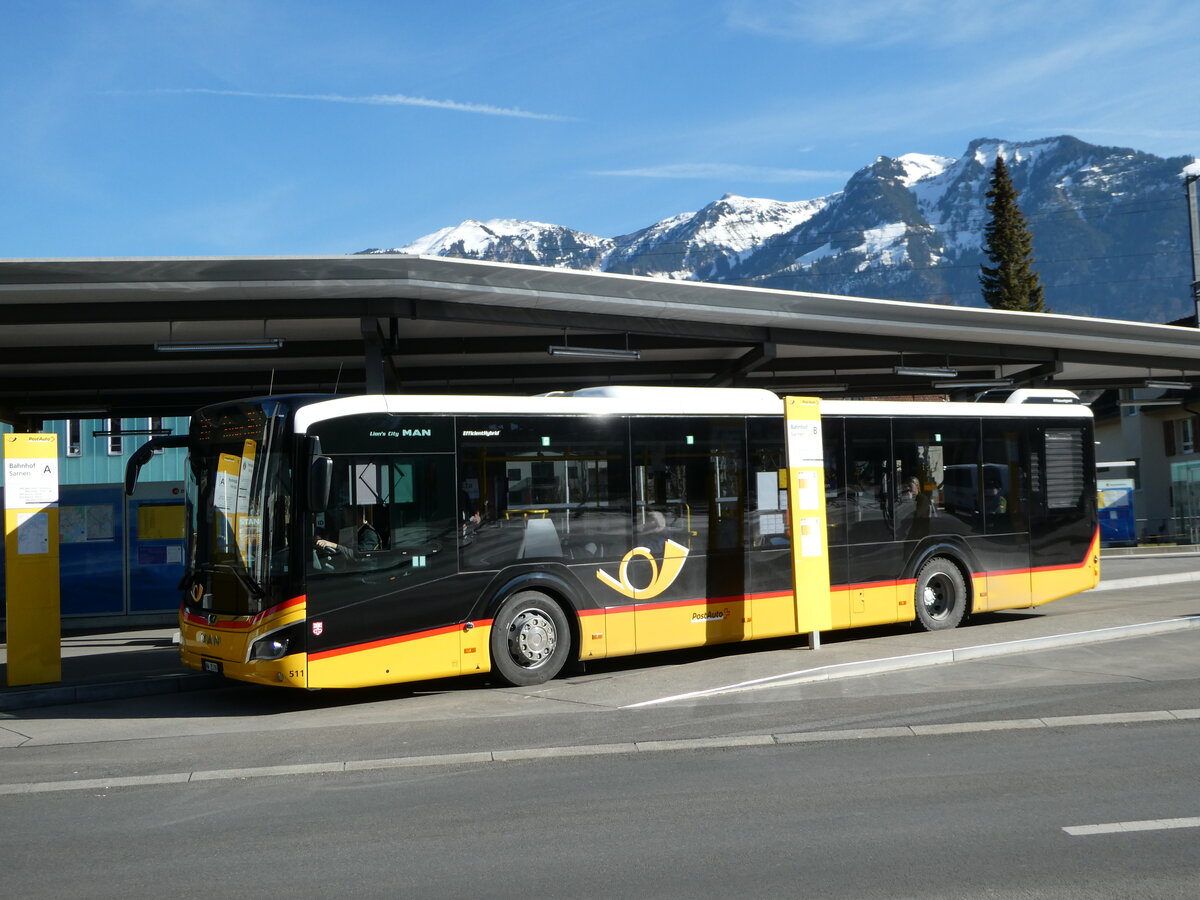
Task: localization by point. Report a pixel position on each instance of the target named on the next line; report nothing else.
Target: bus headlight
(269, 648)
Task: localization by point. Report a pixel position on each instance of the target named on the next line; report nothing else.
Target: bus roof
(659, 401)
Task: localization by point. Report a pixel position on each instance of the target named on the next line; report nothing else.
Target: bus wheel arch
(532, 637)
(942, 596)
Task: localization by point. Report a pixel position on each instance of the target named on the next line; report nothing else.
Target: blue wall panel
(91, 550)
(155, 563)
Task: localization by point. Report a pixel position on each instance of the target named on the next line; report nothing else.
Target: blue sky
(250, 127)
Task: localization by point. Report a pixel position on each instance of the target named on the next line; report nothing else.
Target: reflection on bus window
(542, 489)
(937, 472)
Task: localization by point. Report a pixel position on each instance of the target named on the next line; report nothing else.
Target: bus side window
(1005, 445)
(693, 471)
(538, 487)
(869, 486)
(836, 502)
(767, 507)
(937, 477)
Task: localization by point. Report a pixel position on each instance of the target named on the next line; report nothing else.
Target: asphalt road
(974, 815)
(960, 780)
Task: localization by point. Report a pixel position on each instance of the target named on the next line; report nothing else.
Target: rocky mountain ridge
(1109, 224)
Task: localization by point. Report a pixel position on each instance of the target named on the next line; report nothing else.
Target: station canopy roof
(128, 337)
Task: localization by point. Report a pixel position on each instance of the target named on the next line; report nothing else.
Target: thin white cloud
(724, 171)
(367, 100)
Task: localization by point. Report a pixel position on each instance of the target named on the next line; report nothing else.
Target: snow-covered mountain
(510, 240)
(1109, 226)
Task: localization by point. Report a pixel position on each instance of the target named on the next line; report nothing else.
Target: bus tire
(941, 595)
(530, 640)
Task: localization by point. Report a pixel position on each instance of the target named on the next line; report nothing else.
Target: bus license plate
(212, 665)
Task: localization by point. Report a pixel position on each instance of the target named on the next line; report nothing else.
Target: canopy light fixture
(976, 383)
(926, 371)
(802, 389)
(218, 346)
(1167, 385)
(594, 352)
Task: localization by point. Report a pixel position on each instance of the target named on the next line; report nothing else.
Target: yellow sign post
(806, 516)
(31, 558)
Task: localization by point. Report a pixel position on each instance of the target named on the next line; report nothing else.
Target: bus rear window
(1064, 468)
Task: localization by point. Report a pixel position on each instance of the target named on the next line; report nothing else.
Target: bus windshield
(239, 508)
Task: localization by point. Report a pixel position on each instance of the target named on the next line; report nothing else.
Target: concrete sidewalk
(111, 665)
(105, 665)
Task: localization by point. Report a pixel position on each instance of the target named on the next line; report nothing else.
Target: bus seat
(540, 539)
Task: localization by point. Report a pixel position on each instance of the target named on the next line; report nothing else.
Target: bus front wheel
(530, 639)
(941, 596)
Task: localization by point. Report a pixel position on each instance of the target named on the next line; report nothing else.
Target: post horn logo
(661, 578)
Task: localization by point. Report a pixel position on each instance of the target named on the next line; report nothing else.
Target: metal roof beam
(755, 359)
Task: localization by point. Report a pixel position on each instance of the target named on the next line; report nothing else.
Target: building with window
(119, 556)
(1149, 440)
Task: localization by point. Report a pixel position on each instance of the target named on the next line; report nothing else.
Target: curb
(631, 748)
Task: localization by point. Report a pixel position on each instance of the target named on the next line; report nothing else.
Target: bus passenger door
(690, 475)
(873, 556)
(768, 536)
(833, 432)
(1005, 508)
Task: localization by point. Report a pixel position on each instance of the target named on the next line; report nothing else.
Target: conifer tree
(1011, 282)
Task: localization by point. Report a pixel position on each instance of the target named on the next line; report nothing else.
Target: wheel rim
(938, 596)
(532, 638)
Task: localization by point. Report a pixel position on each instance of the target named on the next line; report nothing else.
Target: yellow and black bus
(351, 541)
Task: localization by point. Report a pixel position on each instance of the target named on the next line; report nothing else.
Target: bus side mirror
(320, 476)
(142, 455)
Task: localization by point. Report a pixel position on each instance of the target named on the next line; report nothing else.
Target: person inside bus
(327, 552)
(922, 510)
(366, 537)
(994, 501)
(652, 532)
(470, 513)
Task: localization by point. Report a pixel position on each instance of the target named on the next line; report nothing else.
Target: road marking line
(1123, 827)
(933, 658)
(818, 673)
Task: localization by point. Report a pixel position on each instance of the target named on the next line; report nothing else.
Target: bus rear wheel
(530, 640)
(941, 595)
